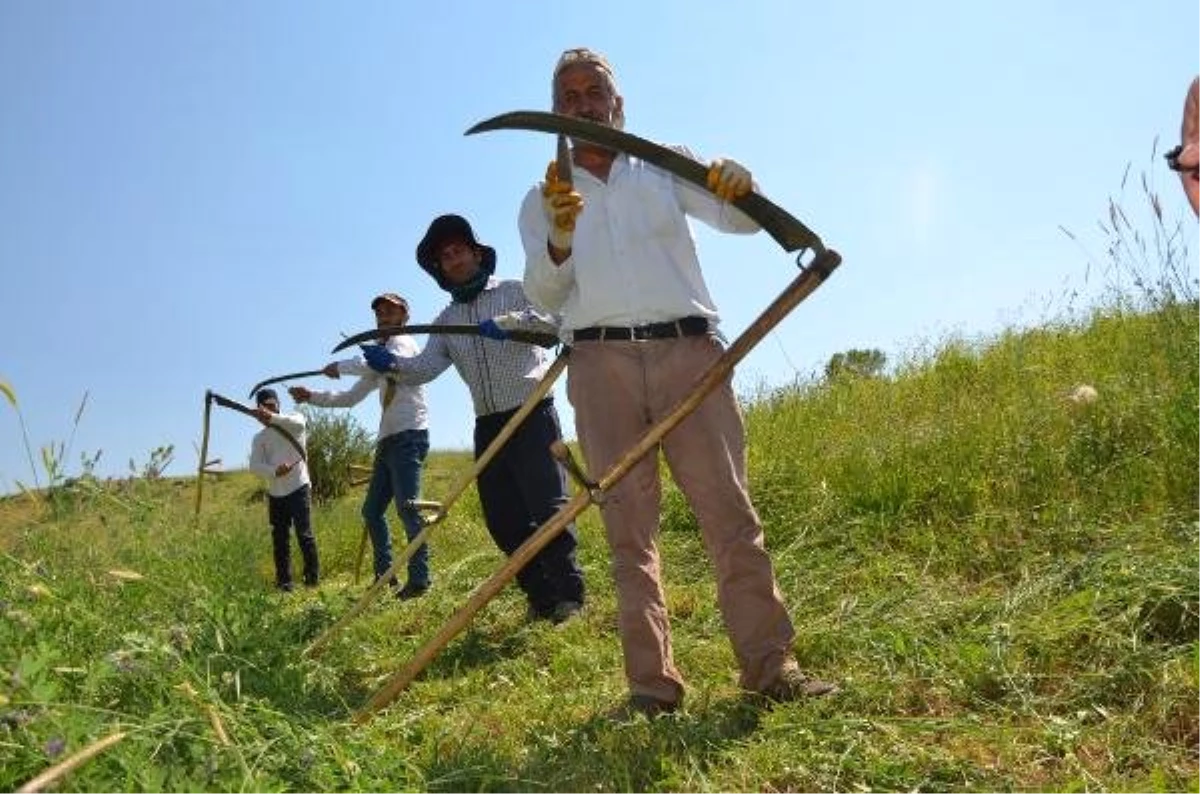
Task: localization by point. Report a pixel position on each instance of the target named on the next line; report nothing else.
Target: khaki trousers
(619, 390)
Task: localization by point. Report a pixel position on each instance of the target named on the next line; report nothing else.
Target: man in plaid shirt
(523, 486)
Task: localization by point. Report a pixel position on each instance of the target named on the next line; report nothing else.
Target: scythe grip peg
(562, 453)
(824, 262)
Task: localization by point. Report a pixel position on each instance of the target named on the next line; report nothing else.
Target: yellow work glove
(562, 204)
(728, 179)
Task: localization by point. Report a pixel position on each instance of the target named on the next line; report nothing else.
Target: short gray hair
(583, 55)
(578, 55)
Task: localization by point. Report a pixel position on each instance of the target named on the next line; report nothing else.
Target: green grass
(1003, 581)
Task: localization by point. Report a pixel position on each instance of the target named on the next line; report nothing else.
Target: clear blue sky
(198, 195)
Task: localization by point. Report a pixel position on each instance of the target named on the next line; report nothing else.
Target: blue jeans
(396, 476)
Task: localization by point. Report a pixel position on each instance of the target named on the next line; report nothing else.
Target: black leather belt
(685, 326)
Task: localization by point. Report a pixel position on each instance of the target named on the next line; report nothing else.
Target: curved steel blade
(783, 227)
(373, 334)
(281, 378)
(234, 405)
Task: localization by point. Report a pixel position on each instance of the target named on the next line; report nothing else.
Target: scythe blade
(783, 227)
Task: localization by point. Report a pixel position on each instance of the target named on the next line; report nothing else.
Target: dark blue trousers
(284, 512)
(520, 490)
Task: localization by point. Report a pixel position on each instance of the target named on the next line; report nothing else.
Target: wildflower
(54, 747)
(1083, 394)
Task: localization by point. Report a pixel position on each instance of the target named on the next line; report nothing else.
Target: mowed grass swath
(1002, 578)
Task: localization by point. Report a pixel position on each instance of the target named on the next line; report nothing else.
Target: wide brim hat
(443, 229)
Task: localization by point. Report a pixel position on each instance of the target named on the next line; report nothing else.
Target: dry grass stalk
(218, 727)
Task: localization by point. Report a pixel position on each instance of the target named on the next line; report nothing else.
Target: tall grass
(11, 395)
(1002, 579)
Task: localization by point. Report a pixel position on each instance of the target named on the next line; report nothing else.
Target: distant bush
(856, 363)
(335, 441)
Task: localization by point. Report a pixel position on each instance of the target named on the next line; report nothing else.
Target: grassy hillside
(1003, 580)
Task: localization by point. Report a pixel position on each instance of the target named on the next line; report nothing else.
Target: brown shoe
(647, 705)
(795, 685)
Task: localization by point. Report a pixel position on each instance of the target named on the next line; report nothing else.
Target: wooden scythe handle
(208, 399)
(800, 288)
(510, 427)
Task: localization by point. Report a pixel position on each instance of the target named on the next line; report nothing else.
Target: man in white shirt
(523, 486)
(613, 254)
(289, 492)
(401, 446)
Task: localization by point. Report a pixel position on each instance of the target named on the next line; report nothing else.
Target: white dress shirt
(269, 448)
(633, 259)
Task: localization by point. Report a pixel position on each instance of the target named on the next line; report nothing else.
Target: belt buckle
(640, 333)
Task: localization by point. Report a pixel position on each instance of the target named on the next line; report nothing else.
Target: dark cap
(266, 396)
(444, 229)
(389, 297)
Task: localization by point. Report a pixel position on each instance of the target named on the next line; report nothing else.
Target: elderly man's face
(583, 90)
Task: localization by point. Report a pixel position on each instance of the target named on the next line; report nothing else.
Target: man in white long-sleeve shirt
(523, 486)
(613, 253)
(289, 494)
(401, 447)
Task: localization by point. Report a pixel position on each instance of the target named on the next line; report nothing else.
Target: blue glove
(379, 358)
(489, 329)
